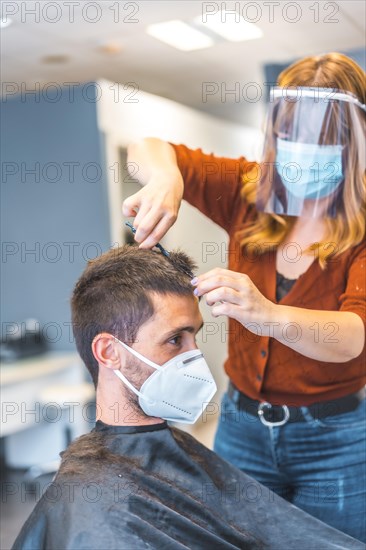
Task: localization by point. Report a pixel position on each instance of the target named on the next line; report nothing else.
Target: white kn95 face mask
(179, 390)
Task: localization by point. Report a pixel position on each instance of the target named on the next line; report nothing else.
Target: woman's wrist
(285, 328)
(168, 177)
(277, 319)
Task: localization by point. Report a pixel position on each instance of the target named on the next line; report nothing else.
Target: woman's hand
(155, 206)
(235, 295)
(330, 336)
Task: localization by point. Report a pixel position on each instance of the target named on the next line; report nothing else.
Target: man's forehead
(170, 297)
(176, 310)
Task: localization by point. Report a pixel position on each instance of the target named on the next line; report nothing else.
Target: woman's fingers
(145, 222)
(219, 278)
(224, 308)
(218, 273)
(131, 205)
(224, 294)
(232, 294)
(157, 233)
(150, 223)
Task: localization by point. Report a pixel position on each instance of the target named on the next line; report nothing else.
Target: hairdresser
(294, 413)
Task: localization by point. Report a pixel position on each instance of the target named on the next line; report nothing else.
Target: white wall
(122, 122)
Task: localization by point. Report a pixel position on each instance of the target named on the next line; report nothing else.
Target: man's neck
(117, 410)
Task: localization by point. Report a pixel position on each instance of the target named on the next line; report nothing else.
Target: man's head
(125, 288)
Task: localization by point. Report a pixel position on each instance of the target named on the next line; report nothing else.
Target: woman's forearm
(331, 336)
(149, 157)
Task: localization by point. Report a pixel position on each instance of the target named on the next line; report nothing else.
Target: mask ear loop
(125, 381)
(139, 356)
(142, 358)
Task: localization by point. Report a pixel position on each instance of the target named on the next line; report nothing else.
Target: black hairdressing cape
(127, 487)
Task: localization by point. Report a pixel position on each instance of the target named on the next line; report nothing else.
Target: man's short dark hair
(113, 294)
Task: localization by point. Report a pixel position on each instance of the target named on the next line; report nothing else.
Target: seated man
(134, 482)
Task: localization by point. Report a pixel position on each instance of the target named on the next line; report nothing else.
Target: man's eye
(176, 340)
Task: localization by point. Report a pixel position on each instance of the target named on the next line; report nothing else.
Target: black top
(156, 487)
(283, 286)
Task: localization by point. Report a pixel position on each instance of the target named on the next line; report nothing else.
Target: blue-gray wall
(47, 211)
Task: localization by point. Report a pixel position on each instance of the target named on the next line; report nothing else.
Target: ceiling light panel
(180, 35)
(231, 26)
(5, 22)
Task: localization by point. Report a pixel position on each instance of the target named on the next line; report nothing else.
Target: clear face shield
(314, 152)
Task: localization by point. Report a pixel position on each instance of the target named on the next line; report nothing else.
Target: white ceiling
(161, 69)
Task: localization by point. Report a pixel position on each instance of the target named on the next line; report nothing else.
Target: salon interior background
(82, 80)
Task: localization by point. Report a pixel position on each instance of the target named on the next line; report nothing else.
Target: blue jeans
(318, 465)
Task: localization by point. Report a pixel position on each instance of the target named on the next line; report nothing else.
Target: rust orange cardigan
(262, 367)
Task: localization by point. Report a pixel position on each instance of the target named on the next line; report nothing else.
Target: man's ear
(105, 351)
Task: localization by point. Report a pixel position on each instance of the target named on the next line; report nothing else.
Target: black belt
(278, 415)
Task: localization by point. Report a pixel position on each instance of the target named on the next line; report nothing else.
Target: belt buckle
(264, 405)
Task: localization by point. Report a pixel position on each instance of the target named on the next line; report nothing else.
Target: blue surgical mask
(309, 171)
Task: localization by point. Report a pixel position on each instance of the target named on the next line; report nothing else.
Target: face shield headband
(314, 151)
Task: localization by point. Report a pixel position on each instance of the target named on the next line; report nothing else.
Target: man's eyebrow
(178, 330)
